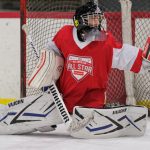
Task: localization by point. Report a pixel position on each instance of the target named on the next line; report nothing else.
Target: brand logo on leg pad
(119, 111)
(17, 102)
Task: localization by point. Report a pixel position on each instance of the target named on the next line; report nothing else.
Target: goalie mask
(87, 18)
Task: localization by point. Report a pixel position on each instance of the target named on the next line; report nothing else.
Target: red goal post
(45, 18)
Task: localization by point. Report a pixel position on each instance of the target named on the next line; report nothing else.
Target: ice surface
(60, 140)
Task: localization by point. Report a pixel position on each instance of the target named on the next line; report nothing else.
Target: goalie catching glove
(48, 69)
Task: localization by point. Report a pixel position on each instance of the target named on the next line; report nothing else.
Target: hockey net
(45, 17)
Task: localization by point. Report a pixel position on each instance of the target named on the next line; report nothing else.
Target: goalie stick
(52, 88)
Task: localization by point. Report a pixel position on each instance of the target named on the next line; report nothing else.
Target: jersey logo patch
(80, 66)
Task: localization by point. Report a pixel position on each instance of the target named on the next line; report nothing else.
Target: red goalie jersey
(87, 65)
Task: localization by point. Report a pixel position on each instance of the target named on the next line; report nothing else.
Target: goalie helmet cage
(45, 17)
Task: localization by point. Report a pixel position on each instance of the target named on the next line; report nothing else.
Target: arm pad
(48, 69)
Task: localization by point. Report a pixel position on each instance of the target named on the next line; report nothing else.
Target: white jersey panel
(51, 46)
(124, 58)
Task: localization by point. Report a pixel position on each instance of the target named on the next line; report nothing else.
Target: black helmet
(82, 15)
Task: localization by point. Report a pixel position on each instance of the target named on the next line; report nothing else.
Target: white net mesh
(45, 17)
(142, 31)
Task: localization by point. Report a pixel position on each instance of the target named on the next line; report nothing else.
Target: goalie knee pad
(109, 123)
(48, 69)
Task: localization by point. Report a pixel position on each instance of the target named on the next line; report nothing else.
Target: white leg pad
(110, 123)
(28, 114)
